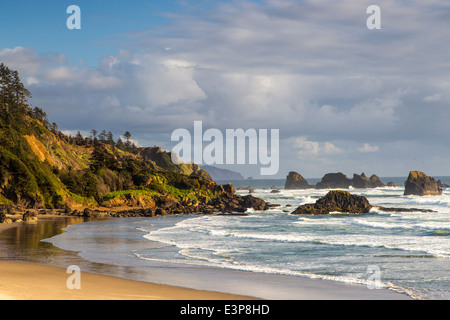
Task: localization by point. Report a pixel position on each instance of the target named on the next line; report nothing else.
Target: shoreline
(35, 281)
(241, 285)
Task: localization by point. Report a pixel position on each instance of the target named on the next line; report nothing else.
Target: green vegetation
(40, 167)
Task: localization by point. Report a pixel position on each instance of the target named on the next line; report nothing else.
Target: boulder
(418, 183)
(160, 212)
(87, 213)
(252, 202)
(296, 181)
(391, 184)
(30, 216)
(334, 181)
(2, 217)
(336, 201)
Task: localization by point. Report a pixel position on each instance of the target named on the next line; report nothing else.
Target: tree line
(14, 105)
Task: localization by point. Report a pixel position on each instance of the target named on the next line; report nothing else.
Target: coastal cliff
(42, 168)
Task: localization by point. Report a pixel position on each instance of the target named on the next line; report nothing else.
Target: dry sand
(23, 281)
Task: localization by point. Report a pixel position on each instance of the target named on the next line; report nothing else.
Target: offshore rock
(334, 181)
(341, 181)
(296, 181)
(343, 201)
(336, 201)
(361, 181)
(418, 183)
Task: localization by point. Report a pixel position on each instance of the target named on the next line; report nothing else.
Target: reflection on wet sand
(22, 243)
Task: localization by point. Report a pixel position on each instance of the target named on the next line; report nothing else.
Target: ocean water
(409, 251)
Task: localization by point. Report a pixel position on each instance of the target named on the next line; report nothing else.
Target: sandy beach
(29, 279)
(23, 281)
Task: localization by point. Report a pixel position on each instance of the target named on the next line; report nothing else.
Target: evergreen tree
(102, 137)
(127, 135)
(120, 144)
(110, 139)
(79, 140)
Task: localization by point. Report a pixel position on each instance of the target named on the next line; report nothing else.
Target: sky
(343, 97)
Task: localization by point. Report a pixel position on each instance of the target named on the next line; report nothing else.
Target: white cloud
(368, 148)
(61, 74)
(162, 82)
(433, 98)
(309, 68)
(312, 149)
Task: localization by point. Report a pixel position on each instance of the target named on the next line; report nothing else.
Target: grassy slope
(32, 166)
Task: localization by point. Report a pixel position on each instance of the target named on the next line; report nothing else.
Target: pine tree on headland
(110, 139)
(127, 135)
(12, 90)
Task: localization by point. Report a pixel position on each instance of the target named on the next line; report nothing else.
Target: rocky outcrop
(361, 181)
(391, 184)
(30, 216)
(336, 201)
(343, 201)
(418, 183)
(202, 174)
(296, 181)
(4, 219)
(341, 181)
(334, 181)
(227, 202)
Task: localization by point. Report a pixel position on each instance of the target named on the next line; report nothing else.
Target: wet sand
(31, 269)
(23, 277)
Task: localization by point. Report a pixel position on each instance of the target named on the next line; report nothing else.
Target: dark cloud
(344, 97)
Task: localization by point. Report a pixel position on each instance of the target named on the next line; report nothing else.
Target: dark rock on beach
(420, 184)
(30, 216)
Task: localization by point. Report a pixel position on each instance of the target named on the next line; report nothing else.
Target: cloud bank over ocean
(345, 98)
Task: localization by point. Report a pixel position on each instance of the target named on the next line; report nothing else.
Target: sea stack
(420, 184)
(296, 181)
(362, 181)
(334, 181)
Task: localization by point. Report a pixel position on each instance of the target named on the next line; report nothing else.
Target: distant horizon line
(253, 179)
